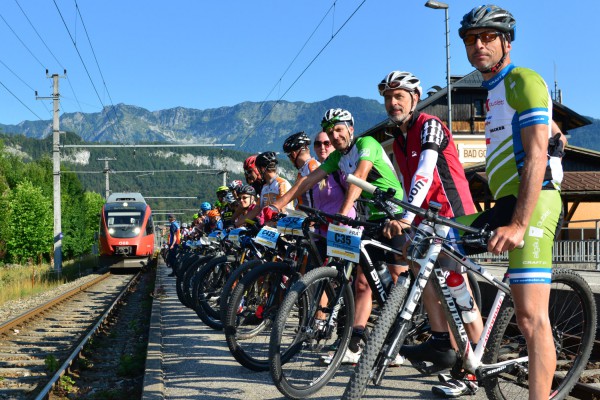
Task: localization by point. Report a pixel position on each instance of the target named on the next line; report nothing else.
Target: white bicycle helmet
(400, 80)
(335, 115)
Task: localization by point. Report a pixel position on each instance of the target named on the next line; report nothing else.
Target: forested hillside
(139, 169)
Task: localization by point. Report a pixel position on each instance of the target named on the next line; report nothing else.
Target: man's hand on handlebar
(506, 238)
(395, 227)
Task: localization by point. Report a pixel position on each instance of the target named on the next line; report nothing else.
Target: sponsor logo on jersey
(496, 129)
(495, 103)
(364, 153)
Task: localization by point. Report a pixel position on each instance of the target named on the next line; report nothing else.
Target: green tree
(93, 206)
(30, 219)
(73, 216)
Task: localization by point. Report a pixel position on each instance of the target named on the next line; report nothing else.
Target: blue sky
(201, 54)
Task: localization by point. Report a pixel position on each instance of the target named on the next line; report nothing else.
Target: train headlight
(111, 231)
(136, 230)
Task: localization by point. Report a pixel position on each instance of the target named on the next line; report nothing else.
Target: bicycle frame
(471, 358)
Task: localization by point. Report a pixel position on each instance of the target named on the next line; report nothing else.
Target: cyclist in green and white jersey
(523, 178)
(365, 158)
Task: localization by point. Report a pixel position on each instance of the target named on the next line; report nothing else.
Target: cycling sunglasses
(325, 143)
(485, 37)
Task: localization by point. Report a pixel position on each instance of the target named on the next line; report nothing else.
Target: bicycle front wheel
(572, 312)
(311, 333)
(372, 356)
(252, 308)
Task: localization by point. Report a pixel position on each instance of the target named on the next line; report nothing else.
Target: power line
(38, 34)
(82, 62)
(24, 83)
(23, 43)
(24, 105)
(302, 73)
(297, 54)
(97, 63)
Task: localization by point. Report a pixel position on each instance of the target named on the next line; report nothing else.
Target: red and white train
(126, 230)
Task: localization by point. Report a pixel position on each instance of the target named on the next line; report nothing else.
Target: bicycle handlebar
(429, 215)
(340, 218)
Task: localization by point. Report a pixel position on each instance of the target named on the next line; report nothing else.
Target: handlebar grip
(364, 185)
(519, 246)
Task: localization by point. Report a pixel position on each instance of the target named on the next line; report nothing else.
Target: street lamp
(437, 5)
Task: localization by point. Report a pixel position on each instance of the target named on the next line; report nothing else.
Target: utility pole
(56, 170)
(106, 173)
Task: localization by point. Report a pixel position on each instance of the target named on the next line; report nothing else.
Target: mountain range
(250, 126)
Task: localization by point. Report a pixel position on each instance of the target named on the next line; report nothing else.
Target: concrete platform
(188, 360)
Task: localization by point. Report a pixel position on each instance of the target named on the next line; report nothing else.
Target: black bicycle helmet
(295, 142)
(488, 16)
(247, 189)
(268, 159)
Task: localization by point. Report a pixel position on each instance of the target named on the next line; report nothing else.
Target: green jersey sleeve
(331, 164)
(369, 149)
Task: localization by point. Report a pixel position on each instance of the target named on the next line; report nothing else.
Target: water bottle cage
(419, 246)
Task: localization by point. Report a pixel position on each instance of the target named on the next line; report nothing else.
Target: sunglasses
(325, 143)
(383, 86)
(485, 37)
(245, 198)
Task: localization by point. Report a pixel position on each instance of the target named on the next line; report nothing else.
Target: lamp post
(437, 5)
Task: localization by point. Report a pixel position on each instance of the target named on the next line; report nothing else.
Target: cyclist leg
(530, 274)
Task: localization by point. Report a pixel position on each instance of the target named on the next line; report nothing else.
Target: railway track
(36, 348)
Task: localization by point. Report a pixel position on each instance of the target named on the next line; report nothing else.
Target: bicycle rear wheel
(235, 276)
(304, 352)
(211, 279)
(572, 312)
(252, 308)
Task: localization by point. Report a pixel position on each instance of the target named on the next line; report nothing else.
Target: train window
(150, 226)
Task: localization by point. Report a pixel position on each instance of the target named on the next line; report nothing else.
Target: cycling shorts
(532, 263)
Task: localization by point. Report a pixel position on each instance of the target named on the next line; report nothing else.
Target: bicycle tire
(572, 311)
(247, 335)
(359, 380)
(180, 279)
(300, 372)
(210, 280)
(189, 280)
(235, 276)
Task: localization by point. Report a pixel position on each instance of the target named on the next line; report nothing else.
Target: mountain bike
(254, 302)
(500, 360)
(314, 323)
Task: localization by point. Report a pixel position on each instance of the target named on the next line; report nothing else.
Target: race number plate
(290, 226)
(234, 236)
(343, 242)
(267, 237)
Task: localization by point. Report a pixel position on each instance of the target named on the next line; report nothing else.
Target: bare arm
(362, 171)
(535, 144)
(301, 186)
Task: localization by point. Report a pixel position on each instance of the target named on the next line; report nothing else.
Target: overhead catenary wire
(302, 73)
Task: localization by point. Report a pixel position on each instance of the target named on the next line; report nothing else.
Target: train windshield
(124, 222)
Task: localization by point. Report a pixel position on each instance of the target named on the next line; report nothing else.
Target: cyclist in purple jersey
(328, 194)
